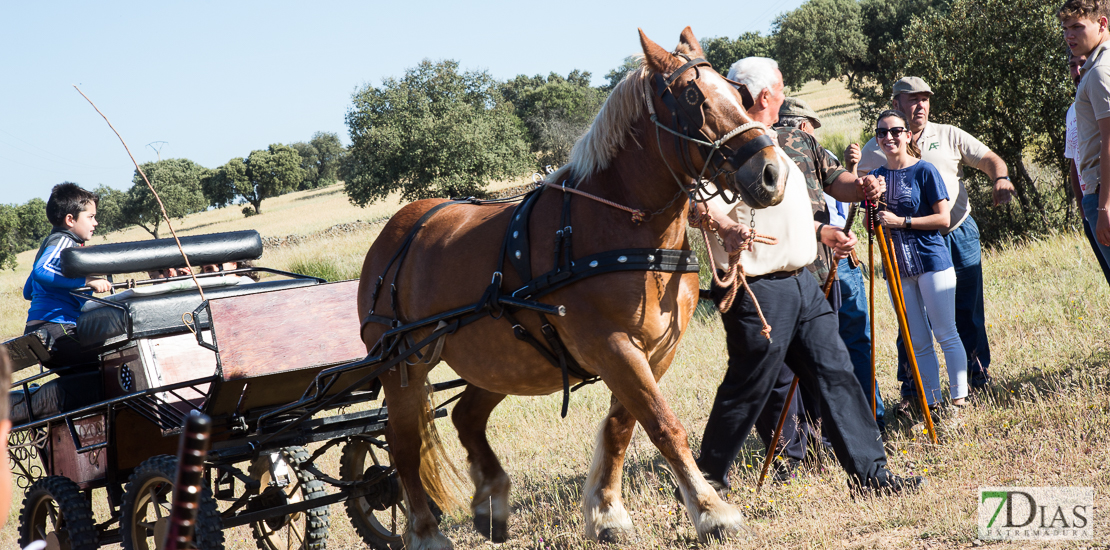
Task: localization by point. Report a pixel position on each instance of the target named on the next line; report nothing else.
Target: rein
(735, 269)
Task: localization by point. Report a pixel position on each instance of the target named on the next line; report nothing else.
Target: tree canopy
(320, 159)
(555, 110)
(434, 132)
(998, 69)
(722, 52)
(178, 182)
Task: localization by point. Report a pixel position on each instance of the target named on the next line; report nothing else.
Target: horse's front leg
(606, 518)
(491, 484)
(634, 385)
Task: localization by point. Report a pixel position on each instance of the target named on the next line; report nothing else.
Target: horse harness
(688, 118)
(499, 302)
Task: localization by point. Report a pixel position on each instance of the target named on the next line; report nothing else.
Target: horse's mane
(609, 129)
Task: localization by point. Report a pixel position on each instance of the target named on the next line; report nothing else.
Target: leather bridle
(688, 118)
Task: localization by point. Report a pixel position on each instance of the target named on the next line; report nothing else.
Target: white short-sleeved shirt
(1071, 142)
(946, 147)
(1092, 103)
(790, 221)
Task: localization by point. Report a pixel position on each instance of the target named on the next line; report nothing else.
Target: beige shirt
(949, 149)
(1092, 103)
(791, 221)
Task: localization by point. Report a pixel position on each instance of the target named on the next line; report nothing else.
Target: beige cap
(911, 85)
(793, 106)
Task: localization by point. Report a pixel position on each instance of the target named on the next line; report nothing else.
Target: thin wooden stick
(772, 450)
(151, 187)
(894, 278)
(871, 304)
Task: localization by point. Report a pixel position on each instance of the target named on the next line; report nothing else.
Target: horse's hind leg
(491, 483)
(407, 411)
(606, 518)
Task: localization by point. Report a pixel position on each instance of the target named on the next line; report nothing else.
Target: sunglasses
(894, 132)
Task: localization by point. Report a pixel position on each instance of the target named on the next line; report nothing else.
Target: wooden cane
(871, 303)
(772, 450)
(894, 278)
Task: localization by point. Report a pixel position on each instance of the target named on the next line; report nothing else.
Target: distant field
(1044, 421)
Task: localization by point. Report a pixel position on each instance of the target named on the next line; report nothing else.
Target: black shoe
(886, 483)
(784, 470)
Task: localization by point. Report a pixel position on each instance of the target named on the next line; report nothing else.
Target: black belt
(776, 275)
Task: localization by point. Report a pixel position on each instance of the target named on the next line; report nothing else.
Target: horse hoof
(612, 535)
(720, 534)
(495, 530)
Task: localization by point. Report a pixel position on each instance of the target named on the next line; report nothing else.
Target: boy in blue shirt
(53, 313)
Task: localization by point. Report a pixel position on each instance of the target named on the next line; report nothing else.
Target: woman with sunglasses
(917, 208)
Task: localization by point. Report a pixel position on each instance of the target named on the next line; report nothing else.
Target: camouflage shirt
(820, 169)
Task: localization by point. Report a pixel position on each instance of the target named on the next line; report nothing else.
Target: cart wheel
(380, 517)
(283, 482)
(145, 510)
(55, 511)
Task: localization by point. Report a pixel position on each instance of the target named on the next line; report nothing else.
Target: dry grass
(1046, 421)
(839, 114)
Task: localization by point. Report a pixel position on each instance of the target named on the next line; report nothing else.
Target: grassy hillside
(1045, 420)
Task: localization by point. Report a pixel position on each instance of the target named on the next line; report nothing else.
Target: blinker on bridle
(686, 113)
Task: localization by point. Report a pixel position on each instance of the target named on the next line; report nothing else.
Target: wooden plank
(293, 329)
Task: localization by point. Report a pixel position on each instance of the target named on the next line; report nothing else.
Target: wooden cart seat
(147, 316)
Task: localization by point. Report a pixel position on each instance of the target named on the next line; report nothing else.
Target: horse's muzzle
(762, 182)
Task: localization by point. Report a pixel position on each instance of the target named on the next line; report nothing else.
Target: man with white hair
(803, 325)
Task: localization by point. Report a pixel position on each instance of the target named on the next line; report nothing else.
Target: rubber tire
(72, 507)
(352, 465)
(208, 534)
(316, 519)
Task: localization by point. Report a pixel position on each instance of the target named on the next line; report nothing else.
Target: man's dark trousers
(971, 321)
(804, 336)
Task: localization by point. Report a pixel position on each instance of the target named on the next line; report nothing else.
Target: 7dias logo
(1036, 513)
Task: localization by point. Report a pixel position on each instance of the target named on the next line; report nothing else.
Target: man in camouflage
(804, 327)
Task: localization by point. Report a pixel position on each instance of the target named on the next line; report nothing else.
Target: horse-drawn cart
(243, 354)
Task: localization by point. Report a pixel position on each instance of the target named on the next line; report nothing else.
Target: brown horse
(622, 326)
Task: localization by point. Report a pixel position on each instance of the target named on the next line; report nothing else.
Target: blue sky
(218, 79)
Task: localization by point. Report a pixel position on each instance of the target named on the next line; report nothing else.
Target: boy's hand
(99, 285)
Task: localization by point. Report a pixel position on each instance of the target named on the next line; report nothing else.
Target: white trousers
(931, 312)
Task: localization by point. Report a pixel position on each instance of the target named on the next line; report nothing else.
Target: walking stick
(894, 278)
(871, 303)
(772, 449)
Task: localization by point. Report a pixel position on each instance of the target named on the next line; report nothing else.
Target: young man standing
(949, 149)
(1085, 31)
(1071, 151)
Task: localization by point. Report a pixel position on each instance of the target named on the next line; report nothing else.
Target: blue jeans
(971, 320)
(1090, 232)
(1090, 211)
(855, 329)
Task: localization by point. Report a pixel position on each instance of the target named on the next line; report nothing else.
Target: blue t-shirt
(46, 287)
(912, 191)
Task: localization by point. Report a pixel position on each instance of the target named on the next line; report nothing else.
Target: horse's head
(714, 137)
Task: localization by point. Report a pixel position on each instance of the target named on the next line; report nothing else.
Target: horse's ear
(745, 96)
(687, 37)
(657, 59)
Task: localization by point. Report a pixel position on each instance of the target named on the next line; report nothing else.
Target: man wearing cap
(949, 149)
(851, 305)
(803, 326)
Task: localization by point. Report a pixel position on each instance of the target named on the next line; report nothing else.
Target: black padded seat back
(161, 314)
(132, 257)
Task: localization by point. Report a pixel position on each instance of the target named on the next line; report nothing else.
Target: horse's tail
(438, 474)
